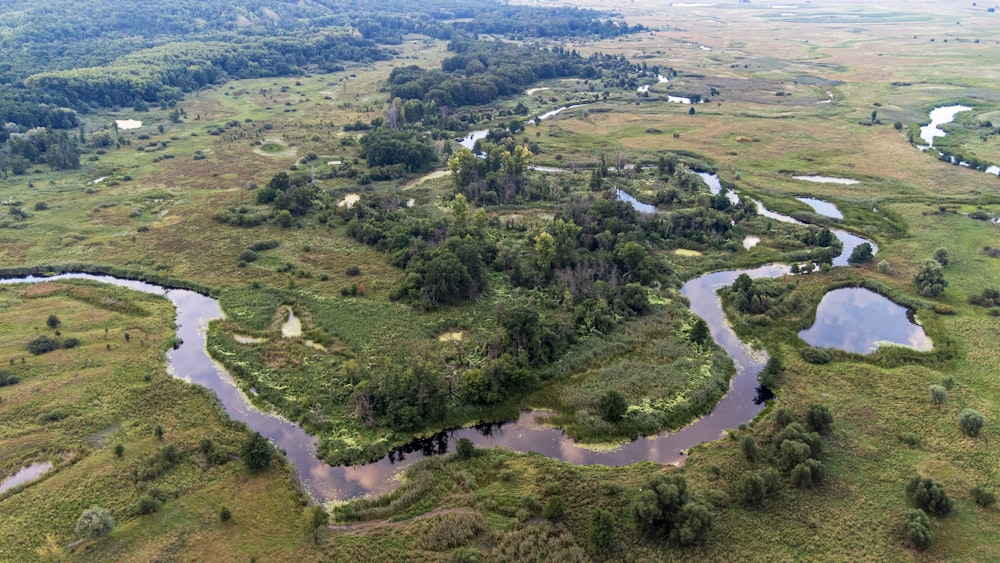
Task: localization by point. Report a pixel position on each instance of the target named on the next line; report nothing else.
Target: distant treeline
(84, 55)
(482, 71)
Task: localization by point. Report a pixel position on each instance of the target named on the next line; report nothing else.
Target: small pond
(826, 180)
(25, 475)
(940, 116)
(821, 207)
(859, 320)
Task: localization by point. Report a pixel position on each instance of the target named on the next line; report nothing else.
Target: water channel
(191, 362)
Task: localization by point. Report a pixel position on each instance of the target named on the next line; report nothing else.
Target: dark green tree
(53, 321)
(818, 419)
(602, 531)
(750, 489)
(942, 256)
(862, 254)
(928, 495)
(916, 529)
(612, 406)
(466, 448)
(971, 422)
(256, 452)
(929, 278)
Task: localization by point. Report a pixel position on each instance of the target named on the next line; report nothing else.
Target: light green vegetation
(72, 407)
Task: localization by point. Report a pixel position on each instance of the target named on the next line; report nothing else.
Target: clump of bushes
(928, 495)
(815, 355)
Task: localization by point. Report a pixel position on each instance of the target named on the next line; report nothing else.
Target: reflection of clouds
(857, 320)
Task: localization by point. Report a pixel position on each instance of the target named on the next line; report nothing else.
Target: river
(191, 362)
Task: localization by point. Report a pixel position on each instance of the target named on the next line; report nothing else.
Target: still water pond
(859, 320)
(25, 475)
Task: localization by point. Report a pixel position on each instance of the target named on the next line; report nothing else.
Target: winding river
(191, 362)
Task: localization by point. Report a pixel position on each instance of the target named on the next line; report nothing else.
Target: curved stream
(191, 362)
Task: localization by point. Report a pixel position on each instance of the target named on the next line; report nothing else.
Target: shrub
(815, 355)
(264, 245)
(554, 509)
(884, 268)
(818, 419)
(42, 344)
(862, 254)
(248, 256)
(225, 515)
(928, 495)
(783, 417)
(147, 505)
(612, 406)
(939, 395)
(256, 452)
(941, 256)
(749, 448)
(7, 379)
(119, 450)
(982, 497)
(354, 270)
(602, 531)
(916, 529)
(808, 474)
(53, 321)
(449, 530)
(71, 342)
(751, 490)
(95, 522)
(466, 449)
(971, 422)
(929, 279)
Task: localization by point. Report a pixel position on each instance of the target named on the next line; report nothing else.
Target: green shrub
(256, 452)
(612, 406)
(818, 419)
(248, 256)
(42, 344)
(554, 509)
(95, 522)
(928, 495)
(939, 395)
(7, 379)
(749, 448)
(448, 531)
(354, 270)
(147, 505)
(602, 532)
(225, 515)
(982, 496)
(971, 422)
(465, 448)
(815, 355)
(750, 489)
(916, 529)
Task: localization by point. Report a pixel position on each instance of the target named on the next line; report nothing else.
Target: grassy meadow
(148, 207)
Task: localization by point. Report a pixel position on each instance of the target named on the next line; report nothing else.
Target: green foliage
(809, 474)
(982, 496)
(256, 452)
(52, 322)
(916, 529)
(225, 515)
(815, 355)
(783, 416)
(602, 532)
(928, 495)
(939, 395)
(884, 267)
(664, 509)
(612, 406)
(42, 344)
(750, 489)
(248, 256)
(699, 332)
(119, 450)
(7, 379)
(147, 505)
(749, 448)
(385, 147)
(941, 256)
(466, 449)
(970, 421)
(818, 419)
(929, 279)
(554, 509)
(314, 518)
(448, 531)
(862, 254)
(94, 522)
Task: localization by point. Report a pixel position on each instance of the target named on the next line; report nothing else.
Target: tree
(52, 322)
(256, 452)
(694, 522)
(861, 254)
(971, 422)
(466, 448)
(929, 278)
(612, 406)
(602, 531)
(916, 528)
(939, 395)
(928, 495)
(749, 448)
(941, 256)
(95, 522)
(663, 508)
(818, 419)
(554, 509)
(283, 219)
(750, 490)
(699, 332)
(314, 518)
(460, 209)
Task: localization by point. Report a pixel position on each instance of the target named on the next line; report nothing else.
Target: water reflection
(859, 320)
